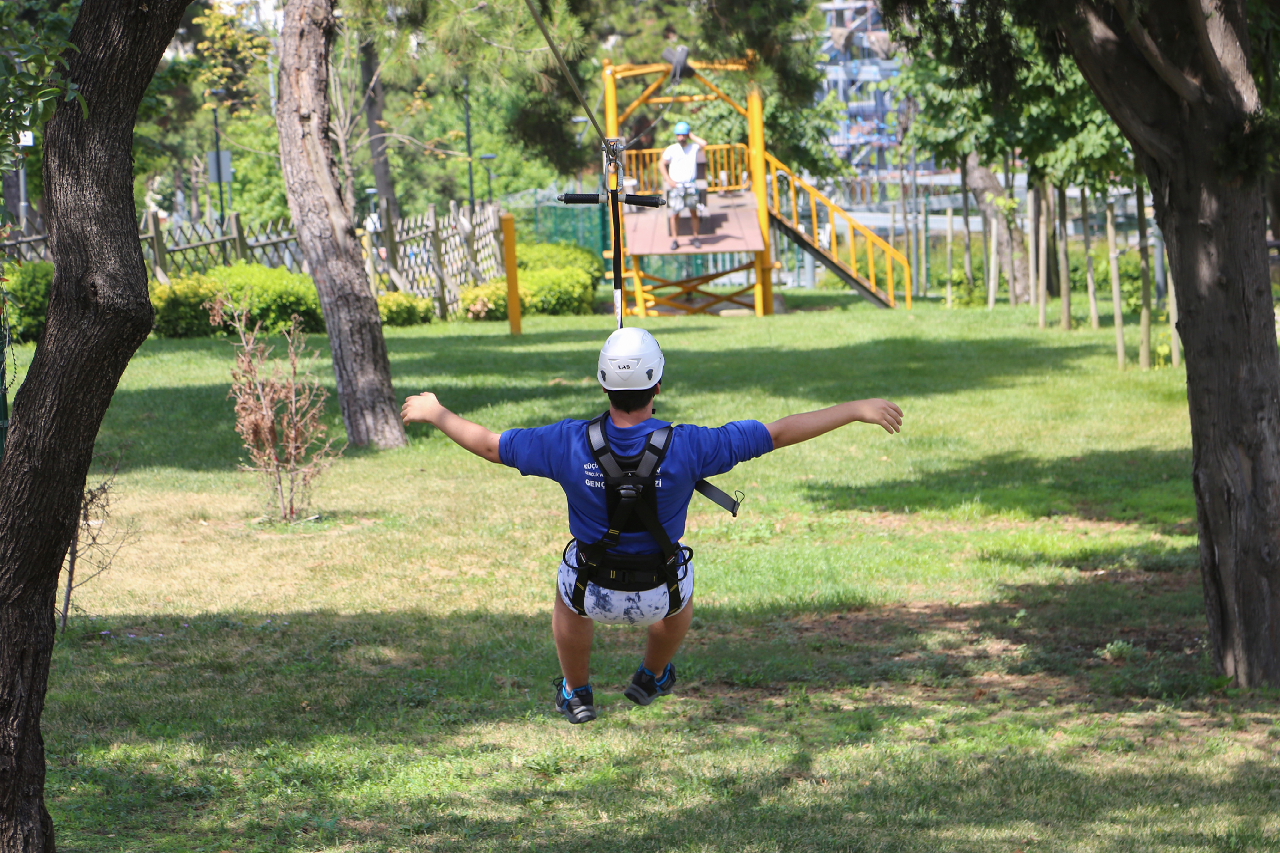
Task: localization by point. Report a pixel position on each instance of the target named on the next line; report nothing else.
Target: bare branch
(1176, 79)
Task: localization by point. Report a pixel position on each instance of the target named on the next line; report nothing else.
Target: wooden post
(993, 264)
(1144, 337)
(1042, 253)
(239, 244)
(513, 274)
(950, 253)
(1175, 342)
(390, 243)
(158, 250)
(437, 261)
(1064, 263)
(1086, 217)
(1033, 288)
(1117, 302)
(759, 185)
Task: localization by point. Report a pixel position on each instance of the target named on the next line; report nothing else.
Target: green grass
(984, 634)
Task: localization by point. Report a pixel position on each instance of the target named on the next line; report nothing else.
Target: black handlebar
(603, 198)
(582, 198)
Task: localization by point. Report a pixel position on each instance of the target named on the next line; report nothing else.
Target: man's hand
(881, 412)
(424, 408)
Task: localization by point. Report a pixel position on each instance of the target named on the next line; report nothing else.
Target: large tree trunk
(325, 230)
(99, 313)
(1177, 82)
(987, 188)
(374, 104)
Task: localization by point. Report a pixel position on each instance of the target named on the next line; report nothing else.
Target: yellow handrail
(834, 211)
(642, 164)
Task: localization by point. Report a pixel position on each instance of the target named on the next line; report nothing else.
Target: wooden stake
(1087, 219)
(1117, 303)
(1144, 338)
(950, 253)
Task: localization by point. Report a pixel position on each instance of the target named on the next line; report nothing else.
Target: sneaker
(578, 708)
(697, 244)
(675, 244)
(645, 687)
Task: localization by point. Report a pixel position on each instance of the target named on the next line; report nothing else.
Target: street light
(489, 173)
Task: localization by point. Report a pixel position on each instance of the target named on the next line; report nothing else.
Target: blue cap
(682, 128)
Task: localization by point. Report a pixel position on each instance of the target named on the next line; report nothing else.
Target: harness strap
(720, 496)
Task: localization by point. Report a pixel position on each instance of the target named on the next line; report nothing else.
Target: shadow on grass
(192, 426)
(1149, 485)
(288, 731)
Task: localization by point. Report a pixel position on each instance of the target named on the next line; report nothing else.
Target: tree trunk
(326, 232)
(1090, 280)
(987, 188)
(99, 313)
(9, 187)
(374, 104)
(1180, 115)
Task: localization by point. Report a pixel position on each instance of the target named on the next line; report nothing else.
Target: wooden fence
(432, 255)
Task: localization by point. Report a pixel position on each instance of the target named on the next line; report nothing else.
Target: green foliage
(1051, 117)
(26, 304)
(541, 256)
(33, 39)
(487, 301)
(550, 290)
(404, 309)
(180, 307)
(558, 291)
(229, 53)
(273, 297)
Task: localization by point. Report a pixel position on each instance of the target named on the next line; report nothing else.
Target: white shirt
(682, 162)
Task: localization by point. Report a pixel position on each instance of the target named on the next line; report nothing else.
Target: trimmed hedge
(544, 291)
(550, 256)
(28, 286)
(273, 296)
(404, 309)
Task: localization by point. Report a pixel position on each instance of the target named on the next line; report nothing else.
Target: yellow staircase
(800, 211)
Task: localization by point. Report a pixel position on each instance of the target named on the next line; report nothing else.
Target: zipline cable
(615, 152)
(564, 66)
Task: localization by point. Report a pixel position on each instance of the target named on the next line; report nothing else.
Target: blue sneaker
(645, 686)
(577, 708)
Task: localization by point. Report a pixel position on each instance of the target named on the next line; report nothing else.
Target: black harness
(633, 507)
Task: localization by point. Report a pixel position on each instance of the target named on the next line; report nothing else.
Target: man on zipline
(679, 165)
(629, 478)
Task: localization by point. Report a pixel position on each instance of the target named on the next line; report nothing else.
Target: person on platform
(679, 165)
(626, 564)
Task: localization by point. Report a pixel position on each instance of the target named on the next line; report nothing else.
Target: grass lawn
(984, 634)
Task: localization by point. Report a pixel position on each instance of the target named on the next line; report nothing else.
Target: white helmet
(630, 360)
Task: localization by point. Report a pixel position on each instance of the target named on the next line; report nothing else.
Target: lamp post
(489, 173)
(471, 172)
(217, 155)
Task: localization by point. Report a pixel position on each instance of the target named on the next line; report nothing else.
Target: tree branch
(1219, 43)
(1101, 56)
(1176, 79)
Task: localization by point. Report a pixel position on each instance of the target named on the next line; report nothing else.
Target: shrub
(488, 301)
(544, 256)
(404, 309)
(557, 291)
(272, 296)
(180, 311)
(28, 286)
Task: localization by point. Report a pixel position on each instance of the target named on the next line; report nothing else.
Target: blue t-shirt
(562, 453)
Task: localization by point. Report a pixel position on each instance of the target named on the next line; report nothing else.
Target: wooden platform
(729, 225)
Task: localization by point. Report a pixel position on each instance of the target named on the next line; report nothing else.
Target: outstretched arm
(425, 408)
(794, 429)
